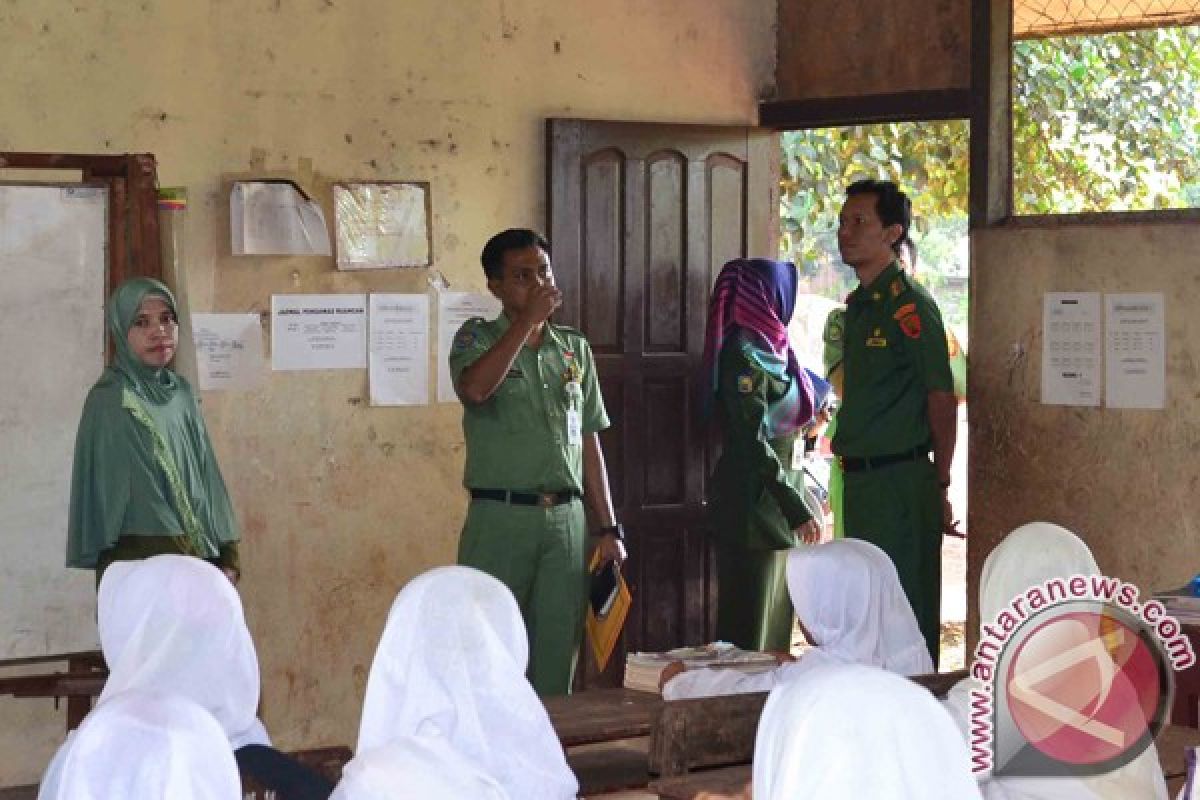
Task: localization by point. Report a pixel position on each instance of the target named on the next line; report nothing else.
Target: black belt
(543, 499)
(854, 464)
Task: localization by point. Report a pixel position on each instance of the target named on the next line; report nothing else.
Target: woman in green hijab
(145, 479)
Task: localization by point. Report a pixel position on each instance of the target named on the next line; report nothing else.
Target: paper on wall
(1071, 349)
(318, 331)
(1135, 357)
(455, 308)
(229, 351)
(399, 349)
(274, 218)
(381, 225)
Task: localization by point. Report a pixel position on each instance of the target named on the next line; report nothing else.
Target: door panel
(642, 217)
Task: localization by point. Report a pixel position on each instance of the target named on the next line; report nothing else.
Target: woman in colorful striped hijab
(760, 399)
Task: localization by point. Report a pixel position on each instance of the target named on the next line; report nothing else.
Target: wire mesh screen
(1106, 118)
(1041, 18)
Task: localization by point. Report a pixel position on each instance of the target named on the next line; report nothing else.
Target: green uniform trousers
(898, 508)
(538, 553)
(755, 611)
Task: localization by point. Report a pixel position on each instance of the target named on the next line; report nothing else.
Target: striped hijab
(753, 301)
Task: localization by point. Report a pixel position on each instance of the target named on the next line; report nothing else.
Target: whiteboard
(52, 278)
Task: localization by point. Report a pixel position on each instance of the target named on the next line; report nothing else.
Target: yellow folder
(603, 632)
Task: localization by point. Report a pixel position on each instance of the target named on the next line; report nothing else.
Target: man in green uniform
(532, 411)
(899, 404)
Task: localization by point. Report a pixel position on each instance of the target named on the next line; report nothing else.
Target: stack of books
(1181, 604)
(642, 670)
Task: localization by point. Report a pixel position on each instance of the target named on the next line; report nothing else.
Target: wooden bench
(710, 732)
(80, 684)
(727, 780)
(1171, 744)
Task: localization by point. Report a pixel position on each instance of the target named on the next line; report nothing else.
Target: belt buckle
(547, 499)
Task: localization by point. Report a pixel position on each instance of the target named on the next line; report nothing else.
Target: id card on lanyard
(574, 428)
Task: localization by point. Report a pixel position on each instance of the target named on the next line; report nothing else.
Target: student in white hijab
(849, 732)
(449, 680)
(852, 608)
(174, 624)
(1030, 555)
(144, 746)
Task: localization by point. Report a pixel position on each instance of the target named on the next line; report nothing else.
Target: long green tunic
(145, 478)
(756, 501)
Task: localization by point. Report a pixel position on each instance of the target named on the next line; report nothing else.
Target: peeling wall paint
(341, 503)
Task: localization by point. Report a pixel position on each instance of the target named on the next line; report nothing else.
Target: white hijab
(848, 597)
(451, 666)
(174, 624)
(1030, 555)
(144, 746)
(415, 768)
(853, 732)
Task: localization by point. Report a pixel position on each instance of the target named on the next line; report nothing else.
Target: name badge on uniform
(574, 428)
(798, 453)
(876, 341)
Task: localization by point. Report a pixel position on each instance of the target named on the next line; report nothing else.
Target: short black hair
(892, 205)
(492, 256)
(912, 250)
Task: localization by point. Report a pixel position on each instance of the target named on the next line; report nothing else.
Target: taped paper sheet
(399, 357)
(229, 351)
(455, 308)
(318, 331)
(274, 218)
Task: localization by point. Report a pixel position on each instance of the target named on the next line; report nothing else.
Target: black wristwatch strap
(616, 530)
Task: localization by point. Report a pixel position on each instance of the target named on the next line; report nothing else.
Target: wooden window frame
(133, 247)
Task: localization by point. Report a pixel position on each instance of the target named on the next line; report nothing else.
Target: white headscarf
(848, 597)
(1033, 554)
(415, 768)
(174, 624)
(451, 666)
(144, 746)
(845, 731)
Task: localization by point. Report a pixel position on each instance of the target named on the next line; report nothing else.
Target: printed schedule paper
(1134, 357)
(399, 349)
(318, 331)
(1071, 349)
(229, 350)
(455, 308)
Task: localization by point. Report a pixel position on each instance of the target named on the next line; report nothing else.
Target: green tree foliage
(1106, 122)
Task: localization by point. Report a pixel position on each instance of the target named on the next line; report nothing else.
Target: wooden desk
(729, 780)
(602, 715)
(80, 684)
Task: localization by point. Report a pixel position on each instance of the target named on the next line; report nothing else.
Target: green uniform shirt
(518, 438)
(757, 498)
(894, 355)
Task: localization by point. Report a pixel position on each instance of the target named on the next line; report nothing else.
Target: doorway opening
(929, 161)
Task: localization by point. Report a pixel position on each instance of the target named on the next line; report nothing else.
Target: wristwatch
(616, 530)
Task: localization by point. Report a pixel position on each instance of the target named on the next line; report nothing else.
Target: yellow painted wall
(1124, 480)
(341, 503)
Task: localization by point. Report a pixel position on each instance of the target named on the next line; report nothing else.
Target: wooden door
(641, 218)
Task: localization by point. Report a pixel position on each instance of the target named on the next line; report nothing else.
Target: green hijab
(153, 384)
(144, 464)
